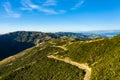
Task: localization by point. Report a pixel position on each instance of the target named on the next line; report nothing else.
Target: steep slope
(101, 55)
(15, 42)
(34, 64)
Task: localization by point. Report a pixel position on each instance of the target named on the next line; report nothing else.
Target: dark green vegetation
(15, 42)
(35, 65)
(102, 55)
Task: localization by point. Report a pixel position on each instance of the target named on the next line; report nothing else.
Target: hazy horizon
(90, 31)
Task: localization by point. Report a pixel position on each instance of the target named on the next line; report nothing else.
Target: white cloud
(81, 2)
(48, 11)
(28, 5)
(9, 11)
(50, 3)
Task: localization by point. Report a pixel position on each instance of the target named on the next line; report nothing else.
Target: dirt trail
(94, 40)
(62, 47)
(81, 66)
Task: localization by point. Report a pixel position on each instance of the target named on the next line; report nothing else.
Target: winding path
(81, 66)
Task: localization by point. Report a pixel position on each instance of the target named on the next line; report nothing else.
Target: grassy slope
(103, 56)
(36, 66)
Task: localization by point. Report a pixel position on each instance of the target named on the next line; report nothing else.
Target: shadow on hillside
(11, 47)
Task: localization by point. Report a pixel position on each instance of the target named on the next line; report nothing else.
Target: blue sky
(59, 15)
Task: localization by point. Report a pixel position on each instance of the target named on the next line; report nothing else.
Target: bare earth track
(81, 66)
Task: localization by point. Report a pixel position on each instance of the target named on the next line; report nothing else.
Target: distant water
(104, 33)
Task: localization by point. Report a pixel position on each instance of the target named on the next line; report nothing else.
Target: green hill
(15, 42)
(101, 55)
(33, 64)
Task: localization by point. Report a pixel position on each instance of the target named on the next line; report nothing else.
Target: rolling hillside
(15, 42)
(57, 59)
